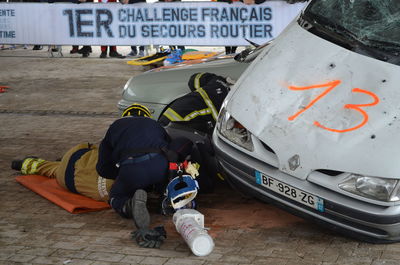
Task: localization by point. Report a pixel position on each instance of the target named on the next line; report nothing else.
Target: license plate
(290, 192)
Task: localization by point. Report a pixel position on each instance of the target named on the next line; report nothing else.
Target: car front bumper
(355, 218)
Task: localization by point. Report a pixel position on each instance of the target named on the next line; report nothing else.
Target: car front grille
(329, 172)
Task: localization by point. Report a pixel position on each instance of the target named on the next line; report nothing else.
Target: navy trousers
(137, 175)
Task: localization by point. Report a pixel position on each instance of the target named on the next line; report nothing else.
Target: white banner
(176, 23)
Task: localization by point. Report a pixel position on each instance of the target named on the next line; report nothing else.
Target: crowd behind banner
(161, 23)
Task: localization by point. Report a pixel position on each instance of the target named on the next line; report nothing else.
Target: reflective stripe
(34, 166)
(208, 102)
(24, 167)
(197, 80)
(102, 186)
(196, 113)
(172, 115)
(29, 166)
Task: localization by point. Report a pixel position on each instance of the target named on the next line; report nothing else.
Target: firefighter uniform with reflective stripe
(199, 108)
(76, 172)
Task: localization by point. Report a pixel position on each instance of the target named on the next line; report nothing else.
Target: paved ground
(54, 103)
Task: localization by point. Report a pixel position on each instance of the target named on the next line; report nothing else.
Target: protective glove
(230, 81)
(150, 238)
(192, 169)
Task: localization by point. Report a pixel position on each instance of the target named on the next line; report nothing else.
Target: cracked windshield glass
(375, 24)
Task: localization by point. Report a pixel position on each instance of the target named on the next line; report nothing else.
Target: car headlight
(382, 189)
(233, 130)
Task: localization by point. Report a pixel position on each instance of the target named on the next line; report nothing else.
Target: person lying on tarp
(136, 154)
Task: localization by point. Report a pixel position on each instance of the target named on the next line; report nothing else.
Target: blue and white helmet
(181, 191)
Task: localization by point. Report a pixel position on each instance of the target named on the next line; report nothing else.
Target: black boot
(115, 54)
(74, 49)
(31, 163)
(136, 209)
(17, 164)
(85, 49)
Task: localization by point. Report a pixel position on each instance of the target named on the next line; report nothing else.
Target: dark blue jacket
(126, 134)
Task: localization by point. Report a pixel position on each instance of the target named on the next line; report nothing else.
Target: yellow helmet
(136, 110)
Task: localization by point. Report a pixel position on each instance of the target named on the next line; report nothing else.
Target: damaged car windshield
(371, 23)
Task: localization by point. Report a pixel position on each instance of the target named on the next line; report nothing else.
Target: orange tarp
(49, 189)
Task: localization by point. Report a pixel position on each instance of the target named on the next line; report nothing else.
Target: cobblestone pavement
(54, 103)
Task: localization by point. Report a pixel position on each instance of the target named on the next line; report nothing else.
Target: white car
(313, 124)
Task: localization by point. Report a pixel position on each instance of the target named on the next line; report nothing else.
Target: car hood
(266, 101)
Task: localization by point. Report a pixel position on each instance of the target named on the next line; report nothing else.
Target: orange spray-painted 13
(329, 87)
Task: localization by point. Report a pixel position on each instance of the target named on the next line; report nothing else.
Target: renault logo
(294, 162)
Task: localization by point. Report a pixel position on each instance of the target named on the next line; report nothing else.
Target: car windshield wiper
(322, 22)
(381, 44)
(241, 57)
(252, 43)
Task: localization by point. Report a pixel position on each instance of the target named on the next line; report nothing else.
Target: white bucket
(190, 224)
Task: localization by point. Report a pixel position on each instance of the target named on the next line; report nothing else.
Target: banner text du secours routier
(175, 22)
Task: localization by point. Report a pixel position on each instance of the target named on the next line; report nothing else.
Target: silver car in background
(158, 87)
